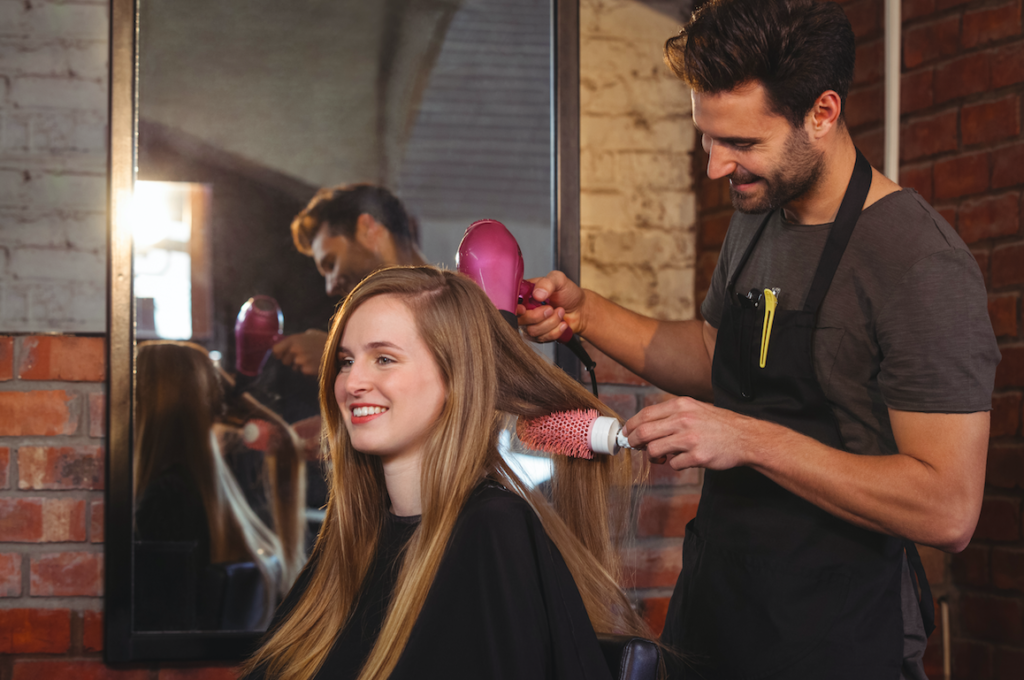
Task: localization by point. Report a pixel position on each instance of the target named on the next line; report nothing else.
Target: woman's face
(389, 388)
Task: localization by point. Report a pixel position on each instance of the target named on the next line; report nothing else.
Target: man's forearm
(672, 355)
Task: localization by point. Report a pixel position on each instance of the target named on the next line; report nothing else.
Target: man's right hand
(302, 351)
(564, 308)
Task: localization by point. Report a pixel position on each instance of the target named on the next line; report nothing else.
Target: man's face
(342, 261)
(769, 162)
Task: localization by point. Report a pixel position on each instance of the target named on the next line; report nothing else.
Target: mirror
(225, 120)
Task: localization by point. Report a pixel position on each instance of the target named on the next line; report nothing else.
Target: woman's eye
(344, 362)
(383, 360)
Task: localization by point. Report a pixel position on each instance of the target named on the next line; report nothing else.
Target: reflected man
(350, 231)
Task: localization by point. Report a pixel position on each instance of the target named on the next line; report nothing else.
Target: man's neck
(821, 203)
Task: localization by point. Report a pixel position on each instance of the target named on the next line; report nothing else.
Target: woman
(185, 491)
(434, 558)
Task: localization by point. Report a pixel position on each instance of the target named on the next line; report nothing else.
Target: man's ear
(370, 233)
(824, 114)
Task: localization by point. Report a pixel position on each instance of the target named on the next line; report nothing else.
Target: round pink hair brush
(577, 434)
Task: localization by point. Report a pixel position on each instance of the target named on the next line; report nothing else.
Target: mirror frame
(122, 643)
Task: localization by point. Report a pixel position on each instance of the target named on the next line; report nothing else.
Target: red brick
(914, 9)
(65, 467)
(6, 358)
(946, 4)
(1008, 569)
(1008, 664)
(5, 465)
(655, 610)
(971, 567)
(666, 516)
(1008, 65)
(652, 567)
(1004, 468)
(929, 41)
(96, 522)
(66, 574)
(35, 631)
(934, 561)
(92, 631)
(865, 17)
(1007, 265)
(10, 575)
(63, 357)
(713, 228)
(916, 91)
(948, 213)
(869, 64)
(872, 145)
(999, 521)
(961, 175)
(714, 193)
(989, 122)
(25, 669)
(1010, 372)
(991, 618)
(97, 414)
(928, 136)
(1006, 409)
(989, 217)
(962, 76)
(208, 673)
(1002, 310)
(989, 24)
(865, 105)
(42, 520)
(611, 372)
(623, 404)
(43, 413)
(1008, 166)
(706, 263)
(982, 257)
(971, 660)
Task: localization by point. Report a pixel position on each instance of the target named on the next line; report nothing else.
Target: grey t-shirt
(904, 326)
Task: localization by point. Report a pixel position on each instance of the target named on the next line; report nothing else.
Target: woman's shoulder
(495, 509)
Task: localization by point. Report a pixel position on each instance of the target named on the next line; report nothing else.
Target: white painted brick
(58, 264)
(27, 56)
(58, 92)
(637, 131)
(14, 305)
(48, 20)
(52, 131)
(52, 306)
(655, 169)
(55, 190)
(82, 231)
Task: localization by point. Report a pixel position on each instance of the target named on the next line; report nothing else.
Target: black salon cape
(503, 605)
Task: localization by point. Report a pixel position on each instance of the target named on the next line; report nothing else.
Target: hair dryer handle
(526, 297)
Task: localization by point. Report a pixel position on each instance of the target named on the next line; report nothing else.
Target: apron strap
(926, 602)
(839, 234)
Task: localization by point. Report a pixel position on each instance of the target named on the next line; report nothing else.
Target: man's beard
(780, 187)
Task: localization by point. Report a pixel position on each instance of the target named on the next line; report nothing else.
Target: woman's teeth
(360, 411)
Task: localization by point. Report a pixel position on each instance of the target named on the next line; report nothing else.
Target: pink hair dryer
(260, 324)
(490, 255)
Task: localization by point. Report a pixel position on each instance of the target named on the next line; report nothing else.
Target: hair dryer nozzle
(260, 324)
(489, 254)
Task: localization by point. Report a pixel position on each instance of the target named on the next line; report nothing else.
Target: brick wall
(53, 112)
(638, 234)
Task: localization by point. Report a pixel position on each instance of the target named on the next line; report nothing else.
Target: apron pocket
(748, 617)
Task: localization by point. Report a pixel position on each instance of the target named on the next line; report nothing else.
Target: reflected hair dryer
(260, 324)
(490, 255)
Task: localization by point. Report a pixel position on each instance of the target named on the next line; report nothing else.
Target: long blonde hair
(489, 371)
(180, 396)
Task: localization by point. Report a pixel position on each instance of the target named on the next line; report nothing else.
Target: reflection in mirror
(245, 109)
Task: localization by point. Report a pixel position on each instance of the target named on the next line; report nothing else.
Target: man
(851, 385)
(349, 231)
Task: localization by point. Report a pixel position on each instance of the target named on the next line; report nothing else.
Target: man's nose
(330, 283)
(720, 162)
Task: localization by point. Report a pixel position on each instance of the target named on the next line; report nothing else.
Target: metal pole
(893, 35)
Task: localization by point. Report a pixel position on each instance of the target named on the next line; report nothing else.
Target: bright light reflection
(533, 470)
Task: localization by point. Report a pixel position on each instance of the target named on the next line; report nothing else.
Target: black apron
(773, 586)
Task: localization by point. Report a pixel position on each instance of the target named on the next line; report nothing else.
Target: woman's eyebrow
(377, 344)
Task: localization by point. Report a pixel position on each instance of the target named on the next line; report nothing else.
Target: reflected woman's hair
(181, 478)
(489, 372)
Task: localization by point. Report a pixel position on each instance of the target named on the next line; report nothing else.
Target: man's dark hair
(796, 49)
(339, 208)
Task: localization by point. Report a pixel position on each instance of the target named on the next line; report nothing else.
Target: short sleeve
(711, 308)
(939, 353)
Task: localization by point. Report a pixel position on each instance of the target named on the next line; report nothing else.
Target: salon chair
(232, 597)
(164, 584)
(629, 657)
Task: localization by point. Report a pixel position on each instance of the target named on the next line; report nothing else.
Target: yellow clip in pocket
(770, 302)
